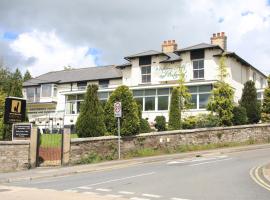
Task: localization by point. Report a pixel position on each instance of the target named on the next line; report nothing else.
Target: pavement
(48, 172)
(218, 174)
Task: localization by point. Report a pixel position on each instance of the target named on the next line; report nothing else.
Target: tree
(90, 122)
(27, 76)
(175, 111)
(266, 103)
(130, 122)
(221, 101)
(180, 100)
(250, 103)
(15, 84)
(2, 106)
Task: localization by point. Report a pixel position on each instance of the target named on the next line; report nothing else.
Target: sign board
(117, 109)
(15, 110)
(21, 131)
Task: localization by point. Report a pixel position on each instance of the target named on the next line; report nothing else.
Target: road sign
(21, 131)
(15, 110)
(117, 109)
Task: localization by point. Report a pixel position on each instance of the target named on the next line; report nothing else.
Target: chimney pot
(219, 39)
(222, 33)
(169, 46)
(173, 41)
(218, 34)
(214, 35)
(165, 42)
(169, 41)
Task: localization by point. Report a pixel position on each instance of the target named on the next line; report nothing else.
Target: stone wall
(14, 155)
(107, 146)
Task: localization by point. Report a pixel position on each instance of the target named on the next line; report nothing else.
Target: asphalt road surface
(212, 177)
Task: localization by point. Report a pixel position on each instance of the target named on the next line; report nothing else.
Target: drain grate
(4, 190)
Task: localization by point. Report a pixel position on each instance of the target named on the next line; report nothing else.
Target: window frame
(198, 69)
(197, 93)
(147, 74)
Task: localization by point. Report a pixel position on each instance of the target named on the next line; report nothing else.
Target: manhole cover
(4, 190)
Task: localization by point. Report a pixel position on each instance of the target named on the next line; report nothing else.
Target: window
(145, 60)
(37, 94)
(163, 98)
(149, 103)
(261, 82)
(146, 74)
(54, 90)
(260, 97)
(103, 83)
(81, 85)
(71, 107)
(74, 103)
(46, 90)
(254, 77)
(198, 69)
(200, 96)
(30, 94)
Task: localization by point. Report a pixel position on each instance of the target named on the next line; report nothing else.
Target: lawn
(53, 140)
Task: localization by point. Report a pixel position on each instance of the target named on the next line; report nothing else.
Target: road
(212, 177)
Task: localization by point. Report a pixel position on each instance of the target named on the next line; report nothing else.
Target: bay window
(33, 94)
(46, 90)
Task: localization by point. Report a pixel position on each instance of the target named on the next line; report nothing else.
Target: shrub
(239, 115)
(189, 122)
(175, 111)
(249, 102)
(130, 122)
(266, 103)
(144, 125)
(207, 120)
(160, 123)
(90, 122)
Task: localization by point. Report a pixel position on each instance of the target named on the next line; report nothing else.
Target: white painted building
(54, 98)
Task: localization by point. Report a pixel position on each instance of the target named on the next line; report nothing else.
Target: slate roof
(145, 53)
(75, 75)
(172, 57)
(199, 46)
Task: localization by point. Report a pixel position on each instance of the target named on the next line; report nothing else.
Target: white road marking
(195, 160)
(114, 195)
(84, 188)
(103, 190)
(70, 190)
(92, 193)
(151, 195)
(178, 199)
(125, 192)
(121, 179)
(137, 198)
(210, 162)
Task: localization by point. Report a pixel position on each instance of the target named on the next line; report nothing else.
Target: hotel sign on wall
(15, 110)
(167, 73)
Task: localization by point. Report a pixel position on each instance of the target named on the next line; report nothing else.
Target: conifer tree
(130, 122)
(2, 105)
(250, 103)
(175, 111)
(27, 76)
(266, 103)
(90, 122)
(221, 101)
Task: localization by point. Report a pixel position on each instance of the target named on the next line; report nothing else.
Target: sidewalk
(39, 173)
(14, 193)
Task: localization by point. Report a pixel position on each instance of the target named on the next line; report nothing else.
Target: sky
(47, 35)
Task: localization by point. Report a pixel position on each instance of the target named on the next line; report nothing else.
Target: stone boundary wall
(107, 146)
(14, 155)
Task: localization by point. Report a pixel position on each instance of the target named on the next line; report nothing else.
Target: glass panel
(150, 92)
(148, 70)
(46, 90)
(71, 107)
(71, 97)
(195, 74)
(163, 91)
(79, 105)
(138, 93)
(201, 73)
(55, 90)
(195, 64)
(200, 64)
(144, 79)
(203, 100)
(205, 88)
(192, 89)
(103, 95)
(194, 101)
(30, 93)
(149, 103)
(80, 96)
(144, 70)
(163, 102)
(37, 94)
(148, 78)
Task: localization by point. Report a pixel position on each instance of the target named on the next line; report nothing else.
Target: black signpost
(15, 110)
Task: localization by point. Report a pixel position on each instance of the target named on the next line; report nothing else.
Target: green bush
(130, 122)
(144, 126)
(90, 122)
(189, 122)
(175, 111)
(160, 123)
(207, 120)
(250, 103)
(239, 115)
(266, 103)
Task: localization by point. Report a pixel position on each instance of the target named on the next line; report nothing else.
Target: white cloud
(50, 52)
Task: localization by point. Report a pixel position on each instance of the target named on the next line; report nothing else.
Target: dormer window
(81, 85)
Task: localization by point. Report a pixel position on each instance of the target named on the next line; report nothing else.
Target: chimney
(169, 46)
(219, 39)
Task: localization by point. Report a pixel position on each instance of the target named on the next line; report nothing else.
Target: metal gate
(49, 149)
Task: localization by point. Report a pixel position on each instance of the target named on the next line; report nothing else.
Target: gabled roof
(76, 75)
(199, 46)
(239, 59)
(172, 57)
(145, 53)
